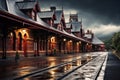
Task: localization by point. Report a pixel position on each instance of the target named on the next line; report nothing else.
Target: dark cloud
(94, 12)
(107, 11)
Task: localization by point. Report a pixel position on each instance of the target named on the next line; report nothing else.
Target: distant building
(98, 44)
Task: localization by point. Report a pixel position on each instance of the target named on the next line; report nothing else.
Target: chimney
(53, 8)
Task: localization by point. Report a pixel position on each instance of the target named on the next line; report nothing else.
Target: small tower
(52, 8)
(73, 18)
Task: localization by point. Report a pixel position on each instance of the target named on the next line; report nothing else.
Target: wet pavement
(55, 73)
(10, 69)
(88, 71)
(62, 70)
(112, 71)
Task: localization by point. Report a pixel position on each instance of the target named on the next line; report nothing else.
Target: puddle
(56, 73)
(87, 71)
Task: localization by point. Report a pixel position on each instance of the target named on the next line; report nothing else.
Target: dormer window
(29, 7)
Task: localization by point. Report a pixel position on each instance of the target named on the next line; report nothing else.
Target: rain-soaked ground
(55, 73)
(87, 71)
(10, 69)
(43, 68)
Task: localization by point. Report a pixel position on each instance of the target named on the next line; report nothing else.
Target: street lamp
(64, 39)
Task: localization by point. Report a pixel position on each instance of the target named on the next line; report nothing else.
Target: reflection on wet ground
(35, 65)
(54, 74)
(29, 65)
(87, 71)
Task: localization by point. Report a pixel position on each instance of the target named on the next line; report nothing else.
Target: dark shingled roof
(97, 41)
(13, 9)
(46, 14)
(10, 7)
(26, 5)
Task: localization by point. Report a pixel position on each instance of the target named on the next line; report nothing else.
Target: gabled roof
(46, 14)
(58, 14)
(13, 9)
(26, 4)
(97, 41)
(76, 26)
(72, 35)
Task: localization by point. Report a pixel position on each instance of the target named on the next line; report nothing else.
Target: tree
(108, 44)
(116, 41)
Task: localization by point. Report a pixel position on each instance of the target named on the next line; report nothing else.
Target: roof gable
(23, 5)
(26, 5)
(46, 14)
(13, 9)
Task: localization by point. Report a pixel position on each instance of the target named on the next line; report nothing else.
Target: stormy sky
(100, 16)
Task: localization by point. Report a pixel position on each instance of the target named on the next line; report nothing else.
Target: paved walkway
(88, 71)
(10, 69)
(112, 71)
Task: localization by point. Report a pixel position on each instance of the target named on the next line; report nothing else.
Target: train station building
(27, 30)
